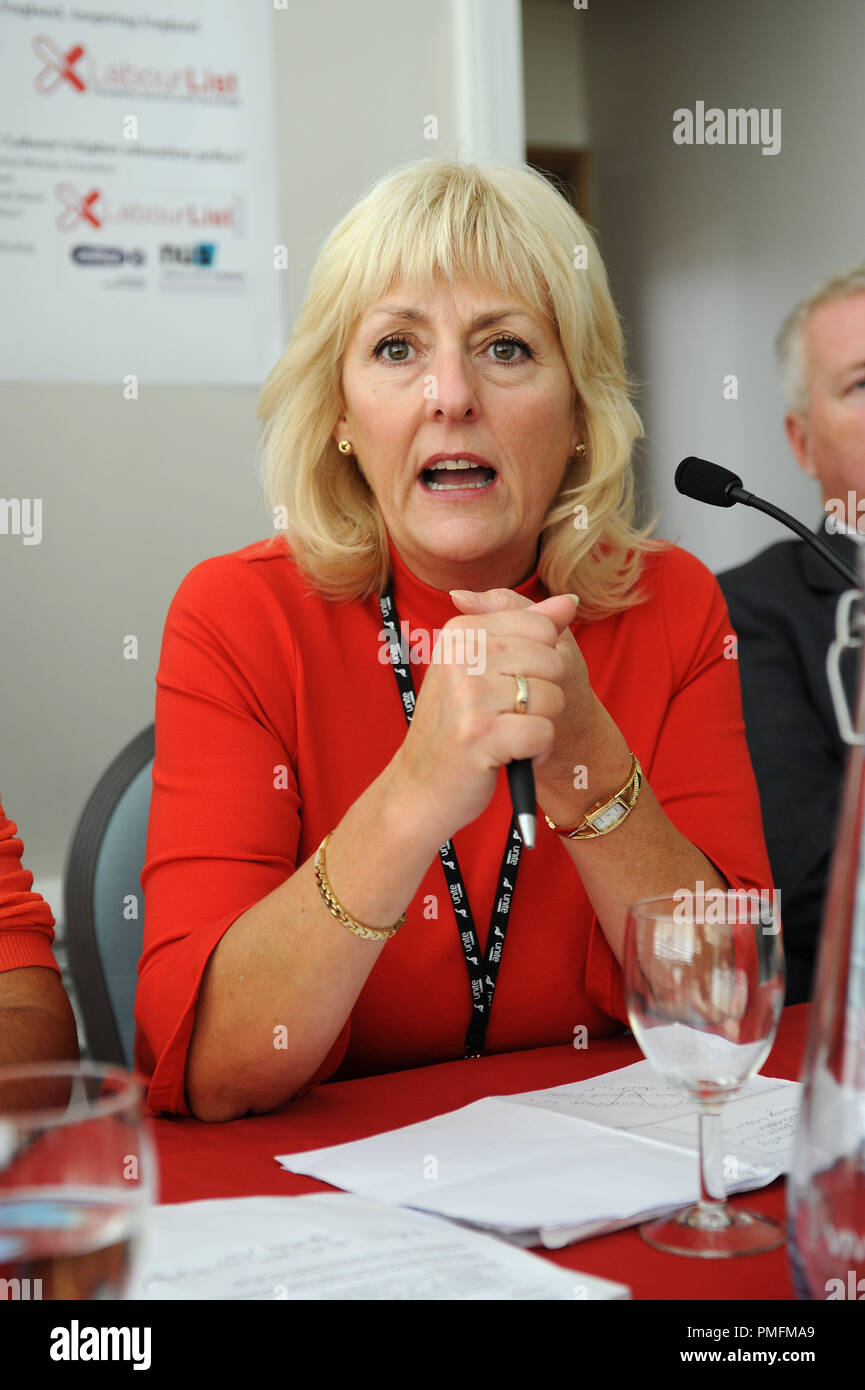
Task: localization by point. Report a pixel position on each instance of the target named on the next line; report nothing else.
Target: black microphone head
(706, 482)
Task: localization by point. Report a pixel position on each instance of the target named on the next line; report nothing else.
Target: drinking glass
(704, 985)
(77, 1175)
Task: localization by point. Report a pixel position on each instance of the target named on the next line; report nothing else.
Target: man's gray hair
(789, 346)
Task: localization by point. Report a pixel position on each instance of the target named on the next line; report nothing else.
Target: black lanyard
(482, 971)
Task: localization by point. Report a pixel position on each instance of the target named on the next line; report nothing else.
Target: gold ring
(522, 700)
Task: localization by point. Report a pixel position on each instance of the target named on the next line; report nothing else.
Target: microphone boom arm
(748, 499)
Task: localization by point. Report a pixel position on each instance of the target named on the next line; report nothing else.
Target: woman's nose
(451, 385)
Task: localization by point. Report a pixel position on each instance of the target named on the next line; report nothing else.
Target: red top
(273, 715)
(25, 918)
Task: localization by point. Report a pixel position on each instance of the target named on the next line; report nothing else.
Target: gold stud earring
(344, 446)
(580, 449)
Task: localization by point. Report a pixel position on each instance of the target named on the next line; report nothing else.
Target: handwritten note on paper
(759, 1122)
(333, 1246)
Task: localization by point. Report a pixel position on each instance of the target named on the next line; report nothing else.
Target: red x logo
(58, 65)
(75, 207)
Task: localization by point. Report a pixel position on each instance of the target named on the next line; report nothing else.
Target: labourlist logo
(121, 78)
(58, 67)
(95, 210)
(77, 207)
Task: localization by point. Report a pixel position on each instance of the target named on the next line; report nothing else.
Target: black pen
(521, 780)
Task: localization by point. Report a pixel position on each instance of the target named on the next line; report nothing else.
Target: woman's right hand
(465, 726)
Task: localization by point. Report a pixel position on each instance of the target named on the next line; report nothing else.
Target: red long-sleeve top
(26, 922)
(274, 713)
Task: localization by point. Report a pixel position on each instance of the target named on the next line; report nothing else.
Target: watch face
(607, 818)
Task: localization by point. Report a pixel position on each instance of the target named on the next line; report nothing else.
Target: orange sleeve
(224, 823)
(700, 769)
(26, 922)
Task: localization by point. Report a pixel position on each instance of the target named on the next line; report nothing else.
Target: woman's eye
(402, 344)
(511, 343)
(388, 343)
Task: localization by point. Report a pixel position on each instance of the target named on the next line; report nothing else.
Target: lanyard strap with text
(482, 970)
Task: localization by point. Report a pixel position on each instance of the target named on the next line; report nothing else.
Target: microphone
(709, 482)
(521, 781)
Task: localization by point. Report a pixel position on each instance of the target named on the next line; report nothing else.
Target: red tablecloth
(237, 1159)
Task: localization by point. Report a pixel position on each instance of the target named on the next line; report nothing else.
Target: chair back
(103, 902)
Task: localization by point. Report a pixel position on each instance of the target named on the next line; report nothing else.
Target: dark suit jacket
(782, 606)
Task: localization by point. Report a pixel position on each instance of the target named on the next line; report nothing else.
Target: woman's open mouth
(457, 475)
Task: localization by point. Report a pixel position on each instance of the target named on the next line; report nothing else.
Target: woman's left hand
(583, 724)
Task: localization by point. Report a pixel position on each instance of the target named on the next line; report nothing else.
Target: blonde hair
(504, 225)
(789, 344)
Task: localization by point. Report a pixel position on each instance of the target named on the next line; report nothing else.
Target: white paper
(333, 1246)
(563, 1163)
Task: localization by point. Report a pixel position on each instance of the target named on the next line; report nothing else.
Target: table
(236, 1159)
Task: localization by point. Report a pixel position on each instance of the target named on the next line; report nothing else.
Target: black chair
(104, 905)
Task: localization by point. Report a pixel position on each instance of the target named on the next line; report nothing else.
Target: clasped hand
(465, 725)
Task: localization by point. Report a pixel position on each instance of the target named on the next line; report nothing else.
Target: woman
(450, 415)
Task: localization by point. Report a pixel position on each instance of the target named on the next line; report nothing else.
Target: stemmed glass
(77, 1175)
(704, 985)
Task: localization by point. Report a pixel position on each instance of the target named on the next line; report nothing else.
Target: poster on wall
(137, 193)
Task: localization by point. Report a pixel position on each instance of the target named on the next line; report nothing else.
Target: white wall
(709, 247)
(555, 53)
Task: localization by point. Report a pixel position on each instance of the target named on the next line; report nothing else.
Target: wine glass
(77, 1175)
(704, 985)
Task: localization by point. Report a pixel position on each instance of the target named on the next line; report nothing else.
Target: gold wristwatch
(606, 815)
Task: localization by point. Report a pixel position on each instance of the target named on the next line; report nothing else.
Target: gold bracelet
(606, 815)
(338, 911)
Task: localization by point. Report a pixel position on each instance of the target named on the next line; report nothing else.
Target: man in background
(782, 605)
